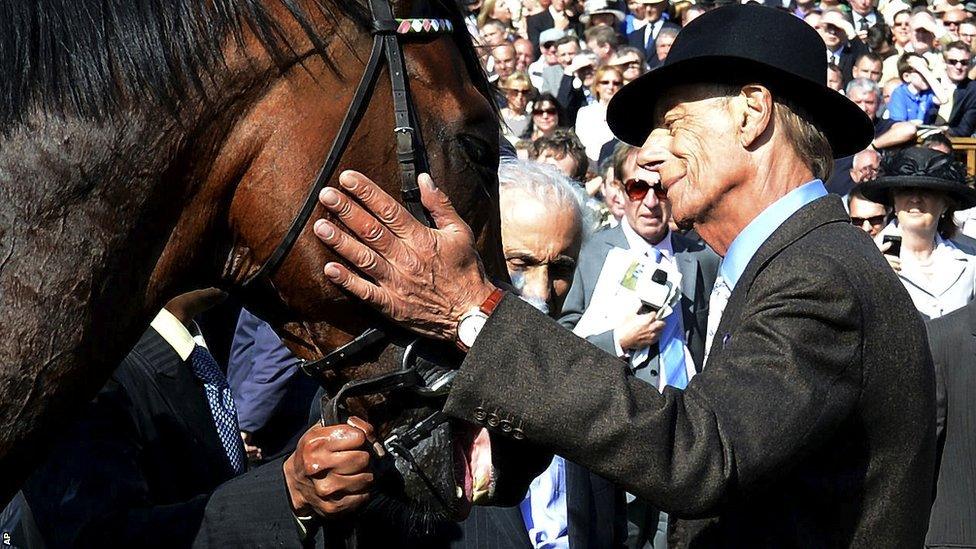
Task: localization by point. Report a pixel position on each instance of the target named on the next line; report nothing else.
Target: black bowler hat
(921, 168)
(744, 44)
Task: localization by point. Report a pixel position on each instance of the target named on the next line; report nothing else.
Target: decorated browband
(424, 26)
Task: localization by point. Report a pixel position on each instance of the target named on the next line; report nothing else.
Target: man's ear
(753, 110)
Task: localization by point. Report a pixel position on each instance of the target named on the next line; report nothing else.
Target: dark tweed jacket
(812, 424)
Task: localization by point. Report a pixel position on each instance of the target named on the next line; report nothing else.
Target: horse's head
(271, 157)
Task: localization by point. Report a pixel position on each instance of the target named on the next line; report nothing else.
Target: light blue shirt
(544, 508)
(758, 230)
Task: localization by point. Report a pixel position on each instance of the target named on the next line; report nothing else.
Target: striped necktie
(221, 406)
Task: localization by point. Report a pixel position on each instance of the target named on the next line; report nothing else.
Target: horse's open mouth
(472, 466)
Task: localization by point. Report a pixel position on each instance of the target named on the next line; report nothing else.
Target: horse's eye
(476, 149)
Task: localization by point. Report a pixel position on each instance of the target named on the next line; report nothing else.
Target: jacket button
(505, 425)
(480, 414)
(493, 420)
(517, 434)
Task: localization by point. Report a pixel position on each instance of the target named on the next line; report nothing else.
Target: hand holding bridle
(424, 278)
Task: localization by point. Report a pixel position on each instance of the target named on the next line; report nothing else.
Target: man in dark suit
(559, 15)
(137, 466)
(654, 22)
(953, 342)
(810, 424)
(843, 47)
(962, 117)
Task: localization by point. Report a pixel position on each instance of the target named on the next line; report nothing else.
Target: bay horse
(150, 147)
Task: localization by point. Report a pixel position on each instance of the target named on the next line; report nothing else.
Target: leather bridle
(421, 374)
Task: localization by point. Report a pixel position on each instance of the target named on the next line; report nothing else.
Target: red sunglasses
(636, 189)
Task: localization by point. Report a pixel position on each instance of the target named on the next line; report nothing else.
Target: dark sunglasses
(957, 61)
(874, 220)
(512, 91)
(544, 111)
(611, 83)
(636, 189)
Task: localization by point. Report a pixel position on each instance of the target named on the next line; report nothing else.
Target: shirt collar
(638, 243)
(176, 334)
(747, 243)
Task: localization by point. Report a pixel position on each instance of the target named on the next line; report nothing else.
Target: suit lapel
(824, 210)
(182, 393)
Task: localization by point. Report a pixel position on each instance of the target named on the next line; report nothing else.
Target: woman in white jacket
(591, 120)
(925, 187)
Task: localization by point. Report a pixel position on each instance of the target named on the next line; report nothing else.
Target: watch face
(470, 326)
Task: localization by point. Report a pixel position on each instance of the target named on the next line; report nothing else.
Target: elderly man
(811, 423)
(505, 58)
(546, 72)
(543, 224)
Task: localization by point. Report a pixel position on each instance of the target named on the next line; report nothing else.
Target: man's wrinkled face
(694, 148)
(867, 68)
(541, 243)
(866, 100)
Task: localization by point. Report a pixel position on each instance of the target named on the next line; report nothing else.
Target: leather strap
(354, 115)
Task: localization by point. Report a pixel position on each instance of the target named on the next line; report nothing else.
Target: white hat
(551, 35)
(594, 7)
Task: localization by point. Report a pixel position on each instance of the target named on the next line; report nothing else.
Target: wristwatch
(474, 320)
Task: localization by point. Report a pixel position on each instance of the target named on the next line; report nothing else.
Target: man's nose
(538, 284)
(655, 151)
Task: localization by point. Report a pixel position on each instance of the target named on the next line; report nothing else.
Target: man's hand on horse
(425, 278)
(329, 472)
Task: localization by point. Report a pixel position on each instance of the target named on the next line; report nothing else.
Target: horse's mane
(87, 57)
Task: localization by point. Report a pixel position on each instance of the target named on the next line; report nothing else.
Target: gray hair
(668, 31)
(864, 85)
(549, 186)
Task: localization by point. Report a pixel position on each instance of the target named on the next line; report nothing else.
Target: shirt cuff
(617, 348)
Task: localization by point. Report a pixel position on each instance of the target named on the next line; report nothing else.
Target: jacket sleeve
(91, 490)
(685, 452)
(252, 510)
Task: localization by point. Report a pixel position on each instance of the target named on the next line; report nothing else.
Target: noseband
(421, 374)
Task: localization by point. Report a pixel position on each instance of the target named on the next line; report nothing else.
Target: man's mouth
(472, 467)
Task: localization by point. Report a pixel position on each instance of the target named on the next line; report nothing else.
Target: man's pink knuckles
(374, 233)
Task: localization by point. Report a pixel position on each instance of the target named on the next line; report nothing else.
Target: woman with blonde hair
(591, 120)
(518, 92)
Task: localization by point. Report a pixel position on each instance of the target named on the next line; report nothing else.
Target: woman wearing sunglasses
(518, 92)
(547, 116)
(925, 187)
(591, 121)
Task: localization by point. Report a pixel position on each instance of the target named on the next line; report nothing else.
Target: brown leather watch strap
(492, 301)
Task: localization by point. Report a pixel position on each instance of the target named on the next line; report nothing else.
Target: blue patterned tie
(221, 405)
(672, 344)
